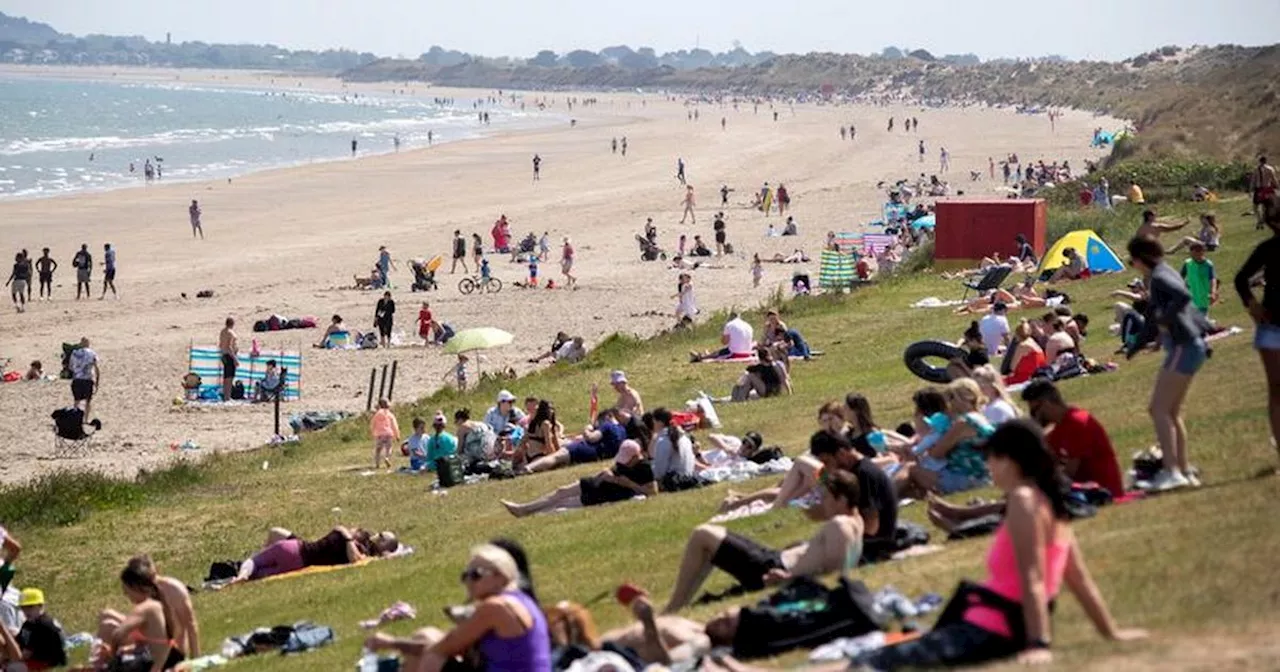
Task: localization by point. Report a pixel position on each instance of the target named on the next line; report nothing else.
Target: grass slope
(1197, 568)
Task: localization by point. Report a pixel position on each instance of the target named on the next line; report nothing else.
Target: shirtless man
(665, 639)
(836, 547)
(179, 614)
(689, 203)
(193, 212)
(1153, 229)
(629, 403)
(1264, 184)
(227, 347)
(45, 266)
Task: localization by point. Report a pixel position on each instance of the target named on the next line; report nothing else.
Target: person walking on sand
(537, 168)
(689, 203)
(459, 253)
(890, 124)
(991, 168)
(944, 161)
(680, 170)
(718, 226)
(687, 305)
(354, 144)
(566, 263)
(757, 271)
(109, 273)
(784, 200)
(193, 212)
(18, 280)
(544, 247)
(477, 249)
(386, 433)
(384, 315)
(921, 151)
(614, 145)
(83, 263)
(842, 133)
(385, 264)
(85, 376)
(228, 350)
(624, 146)
(724, 195)
(45, 266)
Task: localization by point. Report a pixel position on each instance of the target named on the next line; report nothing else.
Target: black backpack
(804, 614)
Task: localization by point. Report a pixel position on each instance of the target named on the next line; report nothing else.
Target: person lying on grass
(801, 482)
(600, 442)
(161, 627)
(1034, 553)
(653, 639)
(631, 474)
(836, 547)
(507, 626)
(284, 552)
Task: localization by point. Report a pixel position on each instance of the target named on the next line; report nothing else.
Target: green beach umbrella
(483, 338)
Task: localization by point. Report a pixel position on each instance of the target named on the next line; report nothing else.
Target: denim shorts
(1267, 337)
(950, 481)
(1185, 359)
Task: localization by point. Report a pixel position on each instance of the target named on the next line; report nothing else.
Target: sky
(1078, 29)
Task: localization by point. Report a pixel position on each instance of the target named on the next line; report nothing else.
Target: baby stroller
(649, 251)
(424, 274)
(71, 437)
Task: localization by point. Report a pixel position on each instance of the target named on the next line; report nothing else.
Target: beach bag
(449, 471)
(260, 325)
(804, 614)
(237, 391)
(767, 455)
(222, 570)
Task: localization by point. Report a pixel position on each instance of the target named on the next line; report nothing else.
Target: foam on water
(204, 132)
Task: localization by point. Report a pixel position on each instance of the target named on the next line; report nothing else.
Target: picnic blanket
(206, 362)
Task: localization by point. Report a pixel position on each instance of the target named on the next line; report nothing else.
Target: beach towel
(837, 270)
(893, 212)
(315, 569)
(875, 243)
(848, 242)
(206, 362)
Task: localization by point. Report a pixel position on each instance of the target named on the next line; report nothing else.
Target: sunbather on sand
(284, 552)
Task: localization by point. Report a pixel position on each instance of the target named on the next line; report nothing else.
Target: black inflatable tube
(916, 353)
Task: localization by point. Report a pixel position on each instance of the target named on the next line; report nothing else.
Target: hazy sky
(1096, 29)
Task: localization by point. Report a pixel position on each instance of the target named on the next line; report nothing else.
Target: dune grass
(1196, 567)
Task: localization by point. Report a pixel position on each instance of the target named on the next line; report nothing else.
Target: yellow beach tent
(1099, 257)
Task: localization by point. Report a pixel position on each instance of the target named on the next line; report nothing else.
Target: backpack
(237, 390)
(223, 570)
(803, 614)
(449, 471)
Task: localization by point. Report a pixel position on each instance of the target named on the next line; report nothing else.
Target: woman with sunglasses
(507, 626)
(1182, 327)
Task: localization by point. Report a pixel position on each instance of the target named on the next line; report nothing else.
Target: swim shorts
(82, 389)
(1267, 337)
(746, 560)
(228, 366)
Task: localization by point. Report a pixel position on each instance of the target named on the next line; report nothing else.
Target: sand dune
(283, 241)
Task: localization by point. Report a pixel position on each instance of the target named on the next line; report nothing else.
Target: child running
(426, 324)
(757, 271)
(386, 431)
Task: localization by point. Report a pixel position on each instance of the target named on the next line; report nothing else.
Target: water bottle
(368, 661)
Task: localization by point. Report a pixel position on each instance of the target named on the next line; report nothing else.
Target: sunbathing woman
(631, 474)
(543, 436)
(1033, 554)
(151, 637)
(507, 626)
(284, 552)
(1027, 356)
(335, 327)
(802, 480)
(836, 547)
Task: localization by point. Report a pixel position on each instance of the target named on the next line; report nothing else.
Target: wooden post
(382, 386)
(368, 402)
(284, 373)
(391, 389)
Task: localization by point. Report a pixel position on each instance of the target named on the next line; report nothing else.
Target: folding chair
(71, 438)
(991, 279)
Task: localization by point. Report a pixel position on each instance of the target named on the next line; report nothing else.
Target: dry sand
(283, 241)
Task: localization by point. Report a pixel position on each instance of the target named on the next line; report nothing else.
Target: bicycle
(490, 285)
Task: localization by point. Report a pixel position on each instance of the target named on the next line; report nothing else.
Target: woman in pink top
(1034, 553)
(386, 433)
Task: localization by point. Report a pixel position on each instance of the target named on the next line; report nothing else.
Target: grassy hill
(1195, 567)
(1216, 102)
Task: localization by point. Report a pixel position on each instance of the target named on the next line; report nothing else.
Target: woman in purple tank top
(507, 627)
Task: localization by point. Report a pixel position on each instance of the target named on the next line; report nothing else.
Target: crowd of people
(29, 272)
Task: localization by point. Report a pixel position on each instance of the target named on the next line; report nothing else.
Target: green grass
(1197, 568)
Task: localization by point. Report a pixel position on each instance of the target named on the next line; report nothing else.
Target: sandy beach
(287, 241)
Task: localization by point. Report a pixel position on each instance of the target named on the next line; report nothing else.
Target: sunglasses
(474, 574)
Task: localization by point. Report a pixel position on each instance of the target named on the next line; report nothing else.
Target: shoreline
(288, 240)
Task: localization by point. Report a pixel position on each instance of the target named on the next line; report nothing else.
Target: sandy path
(281, 241)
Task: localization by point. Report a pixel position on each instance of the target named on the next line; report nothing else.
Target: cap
(505, 396)
(31, 597)
(617, 377)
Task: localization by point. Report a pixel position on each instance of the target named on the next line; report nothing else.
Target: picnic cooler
(449, 470)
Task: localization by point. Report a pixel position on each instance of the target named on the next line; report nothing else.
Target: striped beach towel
(848, 242)
(836, 271)
(206, 362)
(875, 243)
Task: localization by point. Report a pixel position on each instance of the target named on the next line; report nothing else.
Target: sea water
(59, 136)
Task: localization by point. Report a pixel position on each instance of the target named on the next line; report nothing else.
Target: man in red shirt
(1076, 437)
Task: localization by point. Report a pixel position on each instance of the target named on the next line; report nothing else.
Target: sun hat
(505, 396)
(617, 377)
(31, 597)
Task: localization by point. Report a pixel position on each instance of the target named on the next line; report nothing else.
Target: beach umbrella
(483, 338)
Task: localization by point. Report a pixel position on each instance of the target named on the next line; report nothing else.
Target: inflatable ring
(916, 354)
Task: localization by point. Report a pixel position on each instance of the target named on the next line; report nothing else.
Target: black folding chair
(991, 279)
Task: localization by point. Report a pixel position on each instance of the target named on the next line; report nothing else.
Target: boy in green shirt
(1201, 279)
